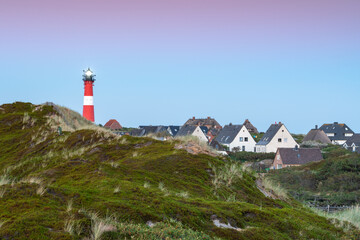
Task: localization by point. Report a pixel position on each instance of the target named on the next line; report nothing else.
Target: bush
(250, 156)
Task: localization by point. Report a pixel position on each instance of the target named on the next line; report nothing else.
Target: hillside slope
(90, 184)
(333, 181)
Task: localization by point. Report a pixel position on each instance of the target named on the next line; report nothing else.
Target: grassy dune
(90, 184)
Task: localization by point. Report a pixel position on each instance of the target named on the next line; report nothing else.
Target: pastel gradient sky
(164, 61)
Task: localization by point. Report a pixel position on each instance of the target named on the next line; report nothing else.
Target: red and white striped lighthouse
(88, 109)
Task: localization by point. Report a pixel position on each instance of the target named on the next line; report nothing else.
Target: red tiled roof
(113, 124)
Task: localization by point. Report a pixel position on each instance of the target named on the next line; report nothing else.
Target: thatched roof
(250, 127)
(317, 135)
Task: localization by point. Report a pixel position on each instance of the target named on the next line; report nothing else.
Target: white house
(196, 131)
(338, 133)
(277, 136)
(353, 143)
(236, 137)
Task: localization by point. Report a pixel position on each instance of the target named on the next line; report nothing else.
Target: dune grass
(157, 185)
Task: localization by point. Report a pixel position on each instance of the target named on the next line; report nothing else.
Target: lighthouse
(88, 109)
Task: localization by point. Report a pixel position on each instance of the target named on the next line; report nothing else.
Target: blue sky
(162, 64)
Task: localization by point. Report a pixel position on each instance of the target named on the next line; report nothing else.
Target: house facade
(277, 136)
(189, 130)
(291, 157)
(236, 138)
(338, 133)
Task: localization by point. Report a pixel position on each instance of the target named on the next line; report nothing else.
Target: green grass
(88, 183)
(333, 181)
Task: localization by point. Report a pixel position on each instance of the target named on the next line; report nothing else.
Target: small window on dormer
(279, 140)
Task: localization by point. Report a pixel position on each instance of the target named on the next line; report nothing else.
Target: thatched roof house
(317, 135)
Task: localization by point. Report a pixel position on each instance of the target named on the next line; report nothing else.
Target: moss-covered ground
(52, 186)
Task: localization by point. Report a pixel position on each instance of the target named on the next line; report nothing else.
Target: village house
(137, 132)
(173, 130)
(317, 135)
(113, 125)
(189, 130)
(213, 127)
(207, 122)
(290, 157)
(212, 133)
(277, 136)
(250, 127)
(353, 143)
(236, 138)
(338, 133)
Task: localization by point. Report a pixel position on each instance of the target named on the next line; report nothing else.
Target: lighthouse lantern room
(88, 109)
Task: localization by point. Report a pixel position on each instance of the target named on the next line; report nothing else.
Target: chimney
(208, 117)
(275, 122)
(316, 127)
(336, 123)
(296, 147)
(230, 124)
(280, 123)
(193, 118)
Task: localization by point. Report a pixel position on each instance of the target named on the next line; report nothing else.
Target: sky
(161, 62)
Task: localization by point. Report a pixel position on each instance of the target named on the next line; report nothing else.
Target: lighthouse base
(88, 112)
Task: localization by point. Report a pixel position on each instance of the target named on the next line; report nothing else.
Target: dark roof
(291, 156)
(250, 127)
(202, 122)
(338, 129)
(173, 130)
(204, 129)
(228, 133)
(354, 139)
(186, 130)
(113, 124)
(137, 132)
(153, 129)
(270, 133)
(317, 135)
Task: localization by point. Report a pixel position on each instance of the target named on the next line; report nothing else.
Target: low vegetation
(334, 181)
(250, 156)
(90, 184)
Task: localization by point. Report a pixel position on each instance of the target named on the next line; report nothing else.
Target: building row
(242, 137)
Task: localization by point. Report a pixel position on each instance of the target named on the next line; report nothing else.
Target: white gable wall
(249, 145)
(287, 141)
(200, 134)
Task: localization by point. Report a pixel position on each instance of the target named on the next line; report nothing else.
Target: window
(283, 130)
(279, 139)
(243, 148)
(246, 139)
(279, 166)
(285, 139)
(278, 157)
(241, 139)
